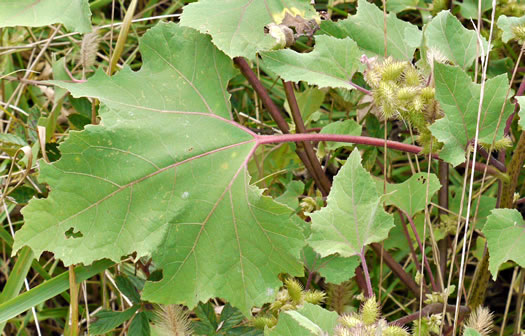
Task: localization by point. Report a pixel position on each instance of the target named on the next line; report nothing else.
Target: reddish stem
(361, 140)
(367, 274)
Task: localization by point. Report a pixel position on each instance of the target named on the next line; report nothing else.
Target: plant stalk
(73, 304)
(364, 140)
(300, 128)
(433, 308)
(366, 273)
(277, 117)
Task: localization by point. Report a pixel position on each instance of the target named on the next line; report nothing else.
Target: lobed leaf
(332, 63)
(366, 28)
(446, 34)
(459, 98)
(410, 195)
(167, 177)
(505, 233)
(237, 26)
(354, 216)
(74, 14)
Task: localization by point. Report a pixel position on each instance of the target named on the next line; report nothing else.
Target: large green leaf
(74, 14)
(354, 215)
(447, 35)
(167, 177)
(310, 320)
(167, 80)
(505, 233)
(507, 24)
(410, 195)
(237, 26)
(332, 63)
(367, 29)
(459, 98)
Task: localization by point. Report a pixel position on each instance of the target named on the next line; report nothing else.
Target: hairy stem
(366, 273)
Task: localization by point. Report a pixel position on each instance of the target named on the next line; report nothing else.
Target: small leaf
(459, 98)
(140, 325)
(332, 63)
(310, 320)
(207, 323)
(333, 268)
(127, 288)
(237, 26)
(74, 14)
(109, 320)
(367, 29)
(290, 197)
(446, 34)
(410, 195)
(230, 317)
(505, 233)
(354, 216)
(507, 24)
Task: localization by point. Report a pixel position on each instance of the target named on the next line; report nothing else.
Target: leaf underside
(167, 177)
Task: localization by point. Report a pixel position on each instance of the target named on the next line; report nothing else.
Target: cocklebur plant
(291, 297)
(400, 91)
(367, 322)
(165, 177)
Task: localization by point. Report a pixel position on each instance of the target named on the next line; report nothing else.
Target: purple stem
(360, 88)
(309, 280)
(367, 274)
(362, 140)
